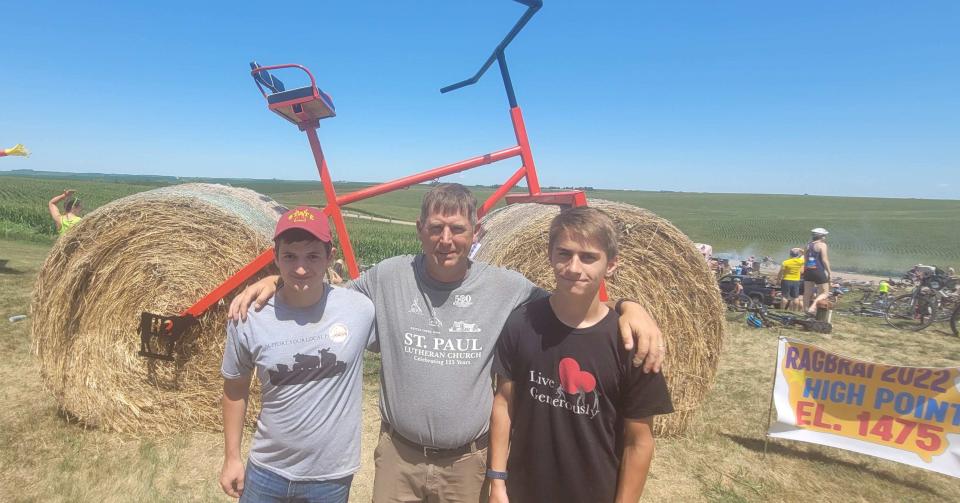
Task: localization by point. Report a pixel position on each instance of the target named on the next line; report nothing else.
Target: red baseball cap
(309, 219)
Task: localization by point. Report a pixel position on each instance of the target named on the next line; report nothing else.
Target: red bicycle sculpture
(305, 107)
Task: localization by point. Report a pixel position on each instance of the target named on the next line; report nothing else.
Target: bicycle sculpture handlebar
(532, 7)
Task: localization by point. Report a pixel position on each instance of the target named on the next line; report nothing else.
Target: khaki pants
(405, 475)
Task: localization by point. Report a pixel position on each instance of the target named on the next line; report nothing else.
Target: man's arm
(234, 402)
(263, 290)
(636, 324)
(500, 421)
(635, 463)
(780, 275)
(257, 294)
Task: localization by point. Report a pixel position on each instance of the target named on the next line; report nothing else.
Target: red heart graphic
(575, 380)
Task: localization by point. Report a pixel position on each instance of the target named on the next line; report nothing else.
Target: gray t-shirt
(309, 362)
(436, 342)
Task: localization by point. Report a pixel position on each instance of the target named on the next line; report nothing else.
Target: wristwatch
(493, 474)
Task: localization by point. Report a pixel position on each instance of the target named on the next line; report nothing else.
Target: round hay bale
(659, 266)
(157, 251)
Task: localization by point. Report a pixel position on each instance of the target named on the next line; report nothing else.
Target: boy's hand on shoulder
(231, 477)
(636, 325)
(257, 294)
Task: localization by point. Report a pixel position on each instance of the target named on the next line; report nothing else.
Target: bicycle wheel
(955, 321)
(911, 312)
(752, 303)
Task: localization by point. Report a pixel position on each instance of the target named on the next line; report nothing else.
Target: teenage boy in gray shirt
(438, 317)
(306, 347)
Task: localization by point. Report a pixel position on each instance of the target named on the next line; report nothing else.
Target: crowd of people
(803, 278)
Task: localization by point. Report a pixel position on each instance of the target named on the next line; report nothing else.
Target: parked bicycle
(925, 304)
(762, 317)
(870, 304)
(739, 303)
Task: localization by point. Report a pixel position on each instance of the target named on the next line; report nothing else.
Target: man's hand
(258, 294)
(231, 477)
(636, 324)
(498, 492)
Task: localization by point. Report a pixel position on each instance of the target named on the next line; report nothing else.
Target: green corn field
(375, 241)
(23, 203)
(870, 235)
(24, 215)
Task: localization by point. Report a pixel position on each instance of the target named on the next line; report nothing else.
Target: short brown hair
(587, 224)
(449, 199)
(296, 236)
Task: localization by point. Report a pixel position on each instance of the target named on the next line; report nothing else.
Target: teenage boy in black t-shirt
(574, 415)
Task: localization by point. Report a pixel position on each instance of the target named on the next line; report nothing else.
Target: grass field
(870, 235)
(46, 457)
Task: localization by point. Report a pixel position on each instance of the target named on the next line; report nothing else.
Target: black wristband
(493, 474)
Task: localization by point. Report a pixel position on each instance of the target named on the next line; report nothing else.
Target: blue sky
(838, 98)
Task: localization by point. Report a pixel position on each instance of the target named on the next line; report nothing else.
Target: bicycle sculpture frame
(305, 107)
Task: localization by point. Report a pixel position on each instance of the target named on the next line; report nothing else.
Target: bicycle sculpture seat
(300, 105)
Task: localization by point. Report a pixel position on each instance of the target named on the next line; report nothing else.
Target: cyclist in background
(883, 290)
(737, 290)
(816, 270)
(789, 276)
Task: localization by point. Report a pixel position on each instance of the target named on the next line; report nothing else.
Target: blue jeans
(263, 486)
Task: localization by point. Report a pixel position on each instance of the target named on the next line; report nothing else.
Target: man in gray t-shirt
(438, 315)
(306, 348)
(436, 345)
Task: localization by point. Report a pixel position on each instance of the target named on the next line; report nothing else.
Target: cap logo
(300, 216)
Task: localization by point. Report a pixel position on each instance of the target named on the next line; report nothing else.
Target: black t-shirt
(573, 387)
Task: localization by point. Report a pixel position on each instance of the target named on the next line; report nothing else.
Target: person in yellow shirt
(72, 207)
(789, 276)
(883, 290)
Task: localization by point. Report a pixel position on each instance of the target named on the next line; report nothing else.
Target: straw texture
(157, 251)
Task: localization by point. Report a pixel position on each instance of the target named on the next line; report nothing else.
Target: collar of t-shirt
(306, 314)
(420, 268)
(561, 327)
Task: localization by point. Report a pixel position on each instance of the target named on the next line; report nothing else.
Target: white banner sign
(905, 414)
